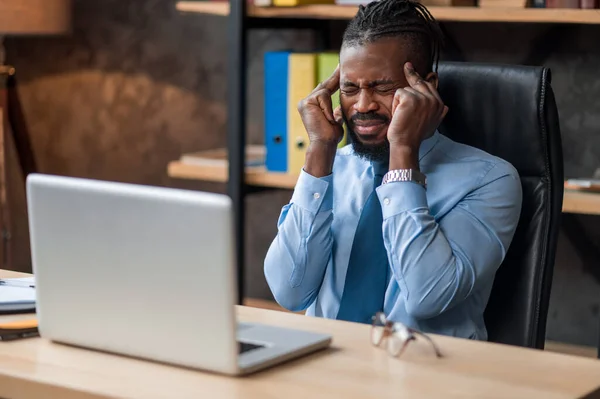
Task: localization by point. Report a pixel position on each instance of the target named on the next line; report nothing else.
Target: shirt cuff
(399, 197)
(313, 193)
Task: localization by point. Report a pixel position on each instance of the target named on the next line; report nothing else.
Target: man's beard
(371, 152)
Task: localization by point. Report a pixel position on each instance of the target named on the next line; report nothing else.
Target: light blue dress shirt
(444, 243)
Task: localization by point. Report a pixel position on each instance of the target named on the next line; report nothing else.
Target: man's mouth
(369, 127)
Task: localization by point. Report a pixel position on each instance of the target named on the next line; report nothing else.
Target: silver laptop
(147, 272)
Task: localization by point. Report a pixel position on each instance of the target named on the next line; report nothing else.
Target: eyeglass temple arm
(428, 338)
(404, 345)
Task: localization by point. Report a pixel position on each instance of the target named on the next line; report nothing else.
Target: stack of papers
(17, 295)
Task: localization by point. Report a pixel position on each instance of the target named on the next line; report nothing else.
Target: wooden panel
(266, 304)
(35, 16)
(465, 14)
(204, 8)
(353, 368)
(570, 349)
(581, 202)
(260, 178)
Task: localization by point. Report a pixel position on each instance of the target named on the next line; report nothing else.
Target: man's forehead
(382, 48)
(364, 64)
(383, 55)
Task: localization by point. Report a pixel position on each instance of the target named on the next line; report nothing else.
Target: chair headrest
(499, 109)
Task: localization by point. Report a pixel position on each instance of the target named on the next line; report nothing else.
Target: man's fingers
(404, 96)
(444, 112)
(414, 92)
(332, 83)
(396, 100)
(337, 115)
(417, 82)
(427, 91)
(324, 101)
(426, 88)
(412, 76)
(434, 92)
(401, 96)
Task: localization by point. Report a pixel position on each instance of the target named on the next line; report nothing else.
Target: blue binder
(276, 92)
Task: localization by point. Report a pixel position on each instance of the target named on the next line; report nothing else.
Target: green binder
(326, 64)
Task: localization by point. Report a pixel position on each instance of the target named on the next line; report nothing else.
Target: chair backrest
(510, 111)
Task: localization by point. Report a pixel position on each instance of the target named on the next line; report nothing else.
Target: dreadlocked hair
(398, 18)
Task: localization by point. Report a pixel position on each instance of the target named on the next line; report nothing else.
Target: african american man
(402, 220)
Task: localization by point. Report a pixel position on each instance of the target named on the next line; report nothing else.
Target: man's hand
(417, 111)
(323, 125)
(317, 113)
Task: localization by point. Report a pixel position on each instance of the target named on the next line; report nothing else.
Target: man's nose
(365, 102)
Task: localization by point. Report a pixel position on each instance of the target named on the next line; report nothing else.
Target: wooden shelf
(573, 201)
(257, 177)
(464, 14)
(203, 7)
(581, 202)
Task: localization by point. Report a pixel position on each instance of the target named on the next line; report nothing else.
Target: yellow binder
(302, 80)
(288, 3)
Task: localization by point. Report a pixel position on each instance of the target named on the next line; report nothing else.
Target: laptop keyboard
(246, 347)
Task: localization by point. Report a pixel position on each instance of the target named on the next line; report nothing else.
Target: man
(403, 220)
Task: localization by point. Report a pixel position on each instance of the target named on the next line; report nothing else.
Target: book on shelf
(426, 3)
(562, 3)
(502, 3)
(292, 3)
(572, 4)
(276, 3)
(302, 80)
(583, 184)
(259, 3)
(351, 2)
(218, 158)
(589, 4)
(289, 78)
(326, 64)
(276, 113)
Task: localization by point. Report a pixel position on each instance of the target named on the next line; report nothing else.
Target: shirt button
(316, 195)
(386, 201)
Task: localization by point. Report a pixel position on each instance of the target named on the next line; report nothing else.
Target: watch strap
(400, 175)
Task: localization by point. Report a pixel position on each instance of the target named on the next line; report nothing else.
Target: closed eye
(349, 90)
(385, 90)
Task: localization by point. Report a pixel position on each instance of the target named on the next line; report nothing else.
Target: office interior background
(137, 83)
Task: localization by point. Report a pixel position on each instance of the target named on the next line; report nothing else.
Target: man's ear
(432, 77)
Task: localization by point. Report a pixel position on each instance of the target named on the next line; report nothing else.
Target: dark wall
(137, 84)
(133, 86)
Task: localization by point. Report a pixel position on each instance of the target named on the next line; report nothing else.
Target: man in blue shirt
(403, 220)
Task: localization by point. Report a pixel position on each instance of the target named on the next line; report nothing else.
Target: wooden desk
(352, 368)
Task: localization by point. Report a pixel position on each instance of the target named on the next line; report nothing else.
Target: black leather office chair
(510, 111)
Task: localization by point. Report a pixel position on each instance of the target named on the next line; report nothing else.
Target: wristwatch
(405, 175)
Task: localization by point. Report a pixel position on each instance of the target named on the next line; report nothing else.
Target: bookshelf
(460, 14)
(241, 17)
